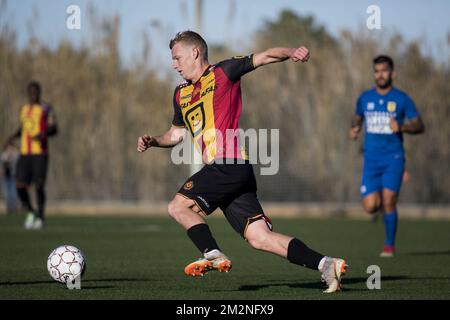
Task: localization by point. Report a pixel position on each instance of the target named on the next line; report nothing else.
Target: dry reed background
(102, 106)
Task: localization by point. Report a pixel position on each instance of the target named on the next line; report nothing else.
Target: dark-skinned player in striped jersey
(37, 124)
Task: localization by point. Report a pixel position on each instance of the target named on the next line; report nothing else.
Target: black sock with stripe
(201, 236)
(40, 196)
(300, 254)
(25, 199)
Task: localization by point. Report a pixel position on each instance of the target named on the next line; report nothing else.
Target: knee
(174, 209)
(261, 241)
(389, 204)
(40, 188)
(39, 185)
(371, 207)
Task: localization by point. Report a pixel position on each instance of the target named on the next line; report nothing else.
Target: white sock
(210, 255)
(322, 261)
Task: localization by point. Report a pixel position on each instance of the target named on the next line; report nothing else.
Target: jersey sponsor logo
(208, 90)
(392, 106)
(378, 122)
(370, 106)
(195, 119)
(186, 96)
(188, 185)
(210, 81)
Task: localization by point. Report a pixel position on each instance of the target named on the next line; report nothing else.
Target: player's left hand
(300, 54)
(394, 125)
(6, 145)
(145, 142)
(405, 177)
(354, 132)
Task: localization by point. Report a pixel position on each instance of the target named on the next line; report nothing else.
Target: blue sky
(227, 21)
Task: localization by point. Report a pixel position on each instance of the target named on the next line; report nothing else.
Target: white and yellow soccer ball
(66, 263)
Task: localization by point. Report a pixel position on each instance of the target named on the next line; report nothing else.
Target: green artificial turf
(144, 258)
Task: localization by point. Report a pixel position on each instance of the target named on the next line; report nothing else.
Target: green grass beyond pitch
(144, 258)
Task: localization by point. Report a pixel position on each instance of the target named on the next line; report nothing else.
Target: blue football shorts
(382, 172)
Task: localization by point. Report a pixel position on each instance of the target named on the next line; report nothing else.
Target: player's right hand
(7, 144)
(144, 142)
(300, 54)
(354, 132)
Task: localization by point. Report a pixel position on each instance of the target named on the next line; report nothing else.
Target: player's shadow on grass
(430, 253)
(12, 283)
(17, 283)
(304, 285)
(319, 285)
(97, 287)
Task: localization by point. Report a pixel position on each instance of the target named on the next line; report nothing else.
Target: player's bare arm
(52, 130)
(414, 126)
(11, 138)
(168, 140)
(356, 126)
(273, 55)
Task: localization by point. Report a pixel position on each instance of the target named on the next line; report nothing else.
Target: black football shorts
(230, 187)
(32, 169)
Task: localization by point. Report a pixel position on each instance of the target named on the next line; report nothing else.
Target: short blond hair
(191, 37)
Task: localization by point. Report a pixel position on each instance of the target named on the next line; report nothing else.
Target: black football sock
(40, 195)
(300, 254)
(25, 198)
(201, 236)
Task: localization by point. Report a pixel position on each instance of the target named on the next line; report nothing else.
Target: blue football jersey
(376, 111)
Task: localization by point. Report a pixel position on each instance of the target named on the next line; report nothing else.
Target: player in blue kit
(387, 113)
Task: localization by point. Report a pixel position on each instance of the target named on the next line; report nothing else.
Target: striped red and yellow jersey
(35, 120)
(211, 107)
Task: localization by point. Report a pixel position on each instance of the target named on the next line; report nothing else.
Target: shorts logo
(204, 201)
(391, 106)
(363, 189)
(188, 185)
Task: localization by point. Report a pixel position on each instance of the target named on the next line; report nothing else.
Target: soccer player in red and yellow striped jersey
(208, 104)
(37, 123)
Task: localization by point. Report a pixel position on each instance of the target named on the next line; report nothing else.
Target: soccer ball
(66, 263)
